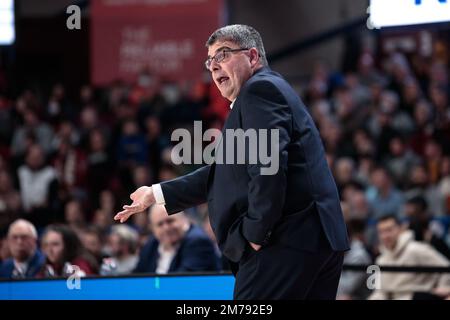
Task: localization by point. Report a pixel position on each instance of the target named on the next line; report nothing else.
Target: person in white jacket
(398, 248)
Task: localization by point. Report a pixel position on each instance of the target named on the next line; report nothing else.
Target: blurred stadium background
(86, 117)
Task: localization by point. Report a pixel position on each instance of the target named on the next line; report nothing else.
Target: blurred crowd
(68, 165)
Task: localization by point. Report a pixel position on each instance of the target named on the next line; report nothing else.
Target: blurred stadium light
(7, 27)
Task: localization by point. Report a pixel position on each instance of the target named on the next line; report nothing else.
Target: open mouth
(222, 80)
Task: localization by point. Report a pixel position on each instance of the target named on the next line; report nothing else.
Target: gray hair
(127, 235)
(26, 224)
(242, 35)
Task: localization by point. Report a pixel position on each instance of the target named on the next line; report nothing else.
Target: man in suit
(282, 232)
(26, 259)
(176, 246)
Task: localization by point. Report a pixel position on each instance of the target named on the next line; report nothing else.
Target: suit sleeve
(186, 191)
(265, 108)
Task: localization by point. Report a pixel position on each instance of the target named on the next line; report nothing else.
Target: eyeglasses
(221, 56)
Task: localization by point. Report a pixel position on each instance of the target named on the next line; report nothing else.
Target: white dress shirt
(165, 259)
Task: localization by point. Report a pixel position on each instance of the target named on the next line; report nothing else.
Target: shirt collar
(168, 252)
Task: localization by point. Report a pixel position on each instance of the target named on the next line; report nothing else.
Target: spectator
(26, 260)
(65, 254)
(168, 172)
(363, 144)
(353, 284)
(68, 159)
(344, 172)
(176, 246)
(74, 216)
(100, 168)
(444, 183)
(103, 216)
(331, 133)
(41, 131)
(10, 201)
(433, 158)
(87, 95)
(420, 185)
(93, 239)
(347, 100)
(382, 129)
(411, 94)
(132, 146)
(400, 160)
(59, 108)
(424, 127)
(365, 167)
(66, 133)
(156, 141)
(398, 248)
(420, 221)
(89, 122)
(123, 243)
(383, 197)
(38, 185)
(439, 99)
(141, 176)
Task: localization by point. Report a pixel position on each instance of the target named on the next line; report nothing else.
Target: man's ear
(254, 56)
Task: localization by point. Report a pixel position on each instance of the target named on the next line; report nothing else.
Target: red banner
(166, 37)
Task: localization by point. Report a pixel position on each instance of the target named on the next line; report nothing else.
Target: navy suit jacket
(292, 207)
(196, 253)
(34, 266)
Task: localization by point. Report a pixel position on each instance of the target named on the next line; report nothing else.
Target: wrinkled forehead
(220, 45)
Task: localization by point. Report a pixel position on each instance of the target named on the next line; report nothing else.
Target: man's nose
(214, 65)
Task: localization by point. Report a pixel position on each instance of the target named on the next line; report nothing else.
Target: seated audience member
(423, 226)
(38, 185)
(176, 245)
(74, 216)
(123, 242)
(398, 248)
(353, 284)
(26, 260)
(382, 194)
(93, 241)
(64, 253)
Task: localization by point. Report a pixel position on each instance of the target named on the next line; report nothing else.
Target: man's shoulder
(268, 83)
(425, 251)
(196, 236)
(265, 78)
(151, 244)
(196, 232)
(38, 258)
(6, 267)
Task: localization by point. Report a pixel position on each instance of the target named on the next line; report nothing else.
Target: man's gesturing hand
(142, 199)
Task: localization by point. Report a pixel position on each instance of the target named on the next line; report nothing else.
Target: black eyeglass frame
(223, 56)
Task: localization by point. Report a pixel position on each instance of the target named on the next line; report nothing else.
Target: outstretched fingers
(123, 215)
